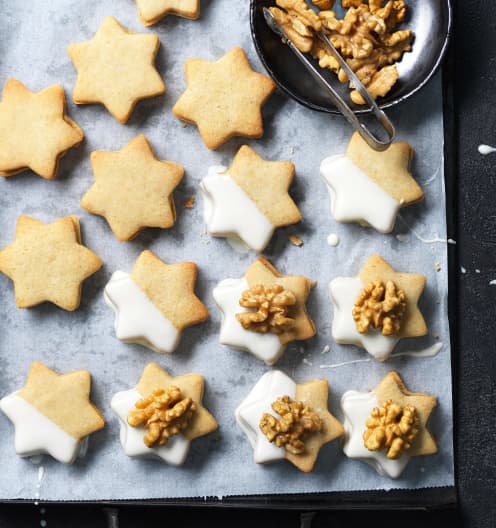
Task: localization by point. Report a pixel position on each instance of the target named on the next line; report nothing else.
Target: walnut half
(296, 420)
(380, 305)
(391, 426)
(164, 413)
(271, 304)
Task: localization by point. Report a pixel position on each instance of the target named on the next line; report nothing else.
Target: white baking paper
(34, 36)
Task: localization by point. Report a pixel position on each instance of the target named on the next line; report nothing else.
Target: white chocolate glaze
(137, 319)
(269, 387)
(343, 293)
(174, 452)
(357, 407)
(229, 212)
(35, 434)
(357, 198)
(266, 347)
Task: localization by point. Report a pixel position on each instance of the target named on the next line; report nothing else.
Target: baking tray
(425, 499)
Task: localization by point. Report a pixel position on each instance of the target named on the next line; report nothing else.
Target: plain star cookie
(48, 263)
(248, 201)
(388, 426)
(35, 131)
(224, 98)
(263, 311)
(378, 308)
(152, 11)
(155, 302)
(133, 189)
(116, 68)
(162, 415)
(277, 399)
(53, 414)
(370, 187)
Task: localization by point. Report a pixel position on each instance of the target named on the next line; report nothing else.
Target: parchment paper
(34, 35)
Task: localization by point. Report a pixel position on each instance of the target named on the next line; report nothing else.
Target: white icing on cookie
(137, 319)
(266, 347)
(35, 434)
(343, 292)
(269, 387)
(357, 198)
(357, 407)
(229, 212)
(174, 452)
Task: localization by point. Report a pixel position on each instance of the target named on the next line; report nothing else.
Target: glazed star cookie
(388, 426)
(133, 189)
(152, 11)
(370, 187)
(264, 311)
(48, 263)
(35, 131)
(116, 68)
(378, 308)
(252, 188)
(52, 414)
(162, 415)
(224, 98)
(155, 302)
(277, 400)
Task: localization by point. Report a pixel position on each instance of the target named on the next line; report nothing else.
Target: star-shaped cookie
(47, 262)
(155, 302)
(176, 449)
(344, 292)
(270, 387)
(224, 98)
(133, 189)
(251, 188)
(35, 131)
(151, 11)
(266, 346)
(116, 68)
(370, 187)
(357, 408)
(52, 413)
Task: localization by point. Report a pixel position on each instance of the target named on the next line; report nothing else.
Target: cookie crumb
(184, 125)
(295, 240)
(492, 283)
(437, 266)
(463, 270)
(326, 349)
(291, 151)
(477, 271)
(189, 203)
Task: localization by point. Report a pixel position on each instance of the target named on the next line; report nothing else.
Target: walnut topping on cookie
(391, 426)
(271, 304)
(164, 413)
(289, 431)
(380, 306)
(304, 426)
(265, 332)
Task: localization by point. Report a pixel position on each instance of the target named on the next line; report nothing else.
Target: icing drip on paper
(430, 351)
(486, 149)
(435, 240)
(333, 240)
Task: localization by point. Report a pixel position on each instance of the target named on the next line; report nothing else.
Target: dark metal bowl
(431, 21)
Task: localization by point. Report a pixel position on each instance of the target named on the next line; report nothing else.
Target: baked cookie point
(152, 11)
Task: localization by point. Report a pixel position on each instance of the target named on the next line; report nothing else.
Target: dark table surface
(471, 118)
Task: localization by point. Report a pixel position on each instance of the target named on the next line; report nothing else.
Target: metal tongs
(361, 128)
